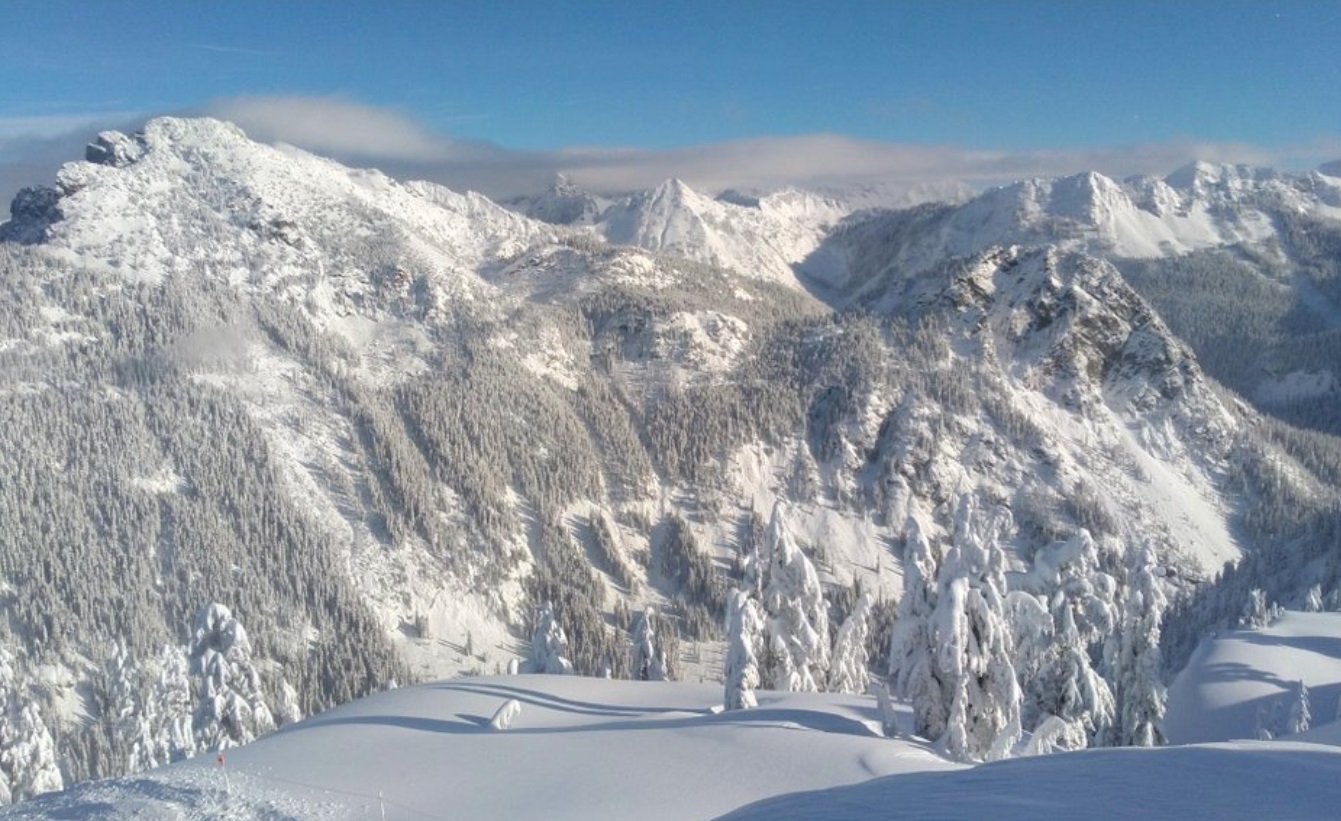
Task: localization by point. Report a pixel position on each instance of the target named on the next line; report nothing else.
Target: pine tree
(28, 765)
(1053, 645)
(288, 711)
(915, 676)
(231, 709)
(951, 650)
(1257, 612)
(644, 664)
(1264, 731)
(1300, 717)
(1140, 690)
(8, 721)
(549, 645)
(744, 635)
(172, 737)
(848, 671)
(797, 625)
(975, 643)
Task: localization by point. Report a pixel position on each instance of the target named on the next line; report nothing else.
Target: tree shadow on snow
(552, 702)
(1231, 671)
(759, 719)
(468, 724)
(1322, 645)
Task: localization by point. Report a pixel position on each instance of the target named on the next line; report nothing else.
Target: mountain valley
(393, 428)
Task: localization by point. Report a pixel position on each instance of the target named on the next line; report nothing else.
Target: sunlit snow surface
(594, 749)
(1231, 677)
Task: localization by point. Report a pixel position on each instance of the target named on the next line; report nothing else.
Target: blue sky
(975, 89)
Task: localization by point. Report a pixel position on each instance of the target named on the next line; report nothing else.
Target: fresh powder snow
(582, 748)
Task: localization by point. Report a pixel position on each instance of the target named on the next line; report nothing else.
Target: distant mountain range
(384, 422)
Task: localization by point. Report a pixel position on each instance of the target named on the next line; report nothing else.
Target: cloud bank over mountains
(360, 134)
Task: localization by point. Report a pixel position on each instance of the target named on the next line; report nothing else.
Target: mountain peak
(194, 131)
(563, 203)
(115, 149)
(155, 190)
(1201, 176)
(674, 188)
(563, 184)
(1090, 197)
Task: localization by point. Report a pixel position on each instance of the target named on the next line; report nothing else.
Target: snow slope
(1223, 781)
(580, 748)
(595, 749)
(1218, 695)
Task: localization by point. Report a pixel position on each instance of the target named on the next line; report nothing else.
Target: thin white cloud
(333, 125)
(388, 139)
(42, 126)
(239, 50)
(352, 131)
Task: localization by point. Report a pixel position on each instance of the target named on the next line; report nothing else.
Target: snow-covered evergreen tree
(30, 758)
(1031, 630)
(951, 651)
(1257, 612)
(8, 730)
(549, 645)
(1054, 734)
(1140, 690)
(288, 711)
(974, 640)
(154, 727)
(1313, 599)
(750, 559)
(231, 707)
(172, 737)
(914, 673)
(1264, 731)
(644, 664)
(1300, 718)
(744, 635)
(797, 626)
(1053, 644)
(28, 765)
(848, 671)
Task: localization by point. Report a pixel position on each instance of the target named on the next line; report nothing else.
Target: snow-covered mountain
(1199, 207)
(563, 203)
(392, 426)
(764, 234)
